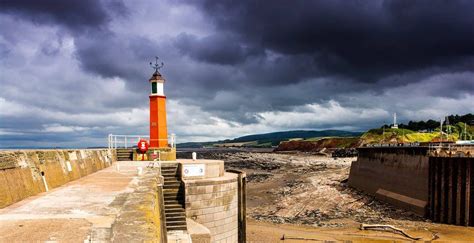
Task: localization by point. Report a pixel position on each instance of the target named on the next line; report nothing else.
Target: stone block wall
(214, 203)
(21, 171)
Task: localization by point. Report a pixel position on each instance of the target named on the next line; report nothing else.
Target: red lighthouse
(158, 129)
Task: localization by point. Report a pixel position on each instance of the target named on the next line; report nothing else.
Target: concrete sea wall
(22, 171)
(398, 175)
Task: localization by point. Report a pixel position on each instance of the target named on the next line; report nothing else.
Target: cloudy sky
(72, 72)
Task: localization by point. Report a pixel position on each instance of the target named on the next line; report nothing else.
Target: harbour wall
(24, 173)
(397, 175)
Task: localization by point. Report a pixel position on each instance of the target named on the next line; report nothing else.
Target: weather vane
(156, 66)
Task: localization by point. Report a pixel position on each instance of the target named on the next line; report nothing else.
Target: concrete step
(173, 228)
(169, 167)
(169, 174)
(173, 196)
(176, 223)
(171, 202)
(174, 199)
(175, 211)
(173, 205)
(172, 180)
(174, 208)
(170, 191)
(119, 150)
(118, 153)
(171, 187)
(176, 218)
(175, 214)
(168, 171)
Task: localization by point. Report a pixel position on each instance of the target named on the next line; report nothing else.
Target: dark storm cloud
(76, 15)
(216, 49)
(231, 67)
(364, 39)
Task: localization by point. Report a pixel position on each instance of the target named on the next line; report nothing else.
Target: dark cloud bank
(248, 61)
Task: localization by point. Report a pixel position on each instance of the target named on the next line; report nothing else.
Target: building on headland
(432, 180)
(395, 125)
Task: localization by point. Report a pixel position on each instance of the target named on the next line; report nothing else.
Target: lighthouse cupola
(157, 82)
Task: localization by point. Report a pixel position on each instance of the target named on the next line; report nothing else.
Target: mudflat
(306, 195)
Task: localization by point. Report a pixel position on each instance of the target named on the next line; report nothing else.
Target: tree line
(431, 125)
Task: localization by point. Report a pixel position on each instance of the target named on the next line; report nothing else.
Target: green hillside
(389, 135)
(271, 139)
(462, 127)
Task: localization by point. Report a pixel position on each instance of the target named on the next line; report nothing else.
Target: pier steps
(173, 193)
(124, 154)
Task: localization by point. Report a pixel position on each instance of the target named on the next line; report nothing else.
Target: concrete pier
(96, 207)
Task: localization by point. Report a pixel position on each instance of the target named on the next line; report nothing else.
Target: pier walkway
(82, 210)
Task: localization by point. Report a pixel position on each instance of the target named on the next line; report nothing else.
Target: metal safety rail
(128, 141)
(451, 149)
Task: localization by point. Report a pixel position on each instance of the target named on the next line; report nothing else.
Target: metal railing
(450, 149)
(128, 141)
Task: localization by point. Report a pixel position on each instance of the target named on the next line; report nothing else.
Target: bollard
(117, 166)
(68, 165)
(44, 181)
(194, 155)
(139, 171)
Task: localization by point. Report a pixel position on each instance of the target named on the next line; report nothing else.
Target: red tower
(158, 129)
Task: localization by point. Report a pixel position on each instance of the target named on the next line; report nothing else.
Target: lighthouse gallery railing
(129, 141)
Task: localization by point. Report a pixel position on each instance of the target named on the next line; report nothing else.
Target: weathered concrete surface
(91, 208)
(21, 171)
(398, 175)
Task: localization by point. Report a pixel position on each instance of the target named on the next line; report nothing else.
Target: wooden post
(442, 211)
(435, 215)
(468, 194)
(458, 193)
(450, 170)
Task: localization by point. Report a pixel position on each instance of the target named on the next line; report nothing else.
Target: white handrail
(124, 141)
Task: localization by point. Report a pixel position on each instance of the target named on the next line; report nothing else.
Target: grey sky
(74, 71)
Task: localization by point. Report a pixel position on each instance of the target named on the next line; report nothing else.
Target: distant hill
(271, 139)
(460, 127)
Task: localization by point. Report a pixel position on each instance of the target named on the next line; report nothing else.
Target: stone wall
(398, 175)
(21, 171)
(213, 202)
